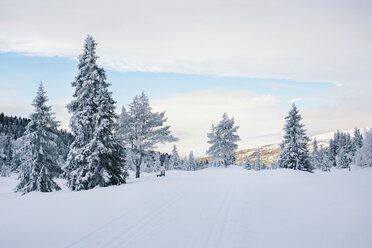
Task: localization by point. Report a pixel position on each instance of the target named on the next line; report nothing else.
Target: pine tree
(247, 164)
(295, 154)
(157, 163)
(316, 156)
(95, 157)
(141, 130)
(39, 149)
(357, 140)
(7, 157)
(258, 163)
(223, 141)
(325, 164)
(175, 161)
(192, 161)
(129, 160)
(363, 156)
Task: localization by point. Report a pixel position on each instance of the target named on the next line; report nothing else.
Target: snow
(215, 207)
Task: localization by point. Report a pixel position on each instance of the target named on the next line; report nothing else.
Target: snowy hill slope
(215, 207)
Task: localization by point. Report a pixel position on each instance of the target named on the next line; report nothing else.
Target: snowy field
(215, 207)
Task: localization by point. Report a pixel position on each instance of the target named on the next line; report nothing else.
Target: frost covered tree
(363, 156)
(358, 139)
(141, 129)
(96, 156)
(157, 163)
(341, 150)
(223, 140)
(192, 161)
(129, 160)
(6, 157)
(247, 164)
(4, 169)
(258, 163)
(175, 161)
(38, 163)
(324, 162)
(295, 154)
(316, 156)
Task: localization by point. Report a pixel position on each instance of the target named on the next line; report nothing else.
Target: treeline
(342, 151)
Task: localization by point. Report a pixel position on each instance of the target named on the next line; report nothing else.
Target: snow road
(216, 208)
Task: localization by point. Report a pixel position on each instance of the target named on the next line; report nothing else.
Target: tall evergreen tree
(39, 149)
(223, 140)
(192, 161)
(141, 130)
(247, 164)
(157, 162)
(174, 161)
(316, 156)
(325, 164)
(258, 163)
(95, 157)
(364, 154)
(7, 157)
(295, 154)
(357, 140)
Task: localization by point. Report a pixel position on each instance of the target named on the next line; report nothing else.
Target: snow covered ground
(216, 207)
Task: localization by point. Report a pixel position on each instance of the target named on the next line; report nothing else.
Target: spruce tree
(258, 163)
(364, 154)
(7, 157)
(295, 154)
(357, 140)
(141, 129)
(247, 164)
(174, 161)
(192, 161)
(325, 164)
(223, 139)
(95, 157)
(316, 156)
(38, 154)
(157, 163)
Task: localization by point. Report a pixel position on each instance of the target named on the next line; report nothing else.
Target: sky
(198, 59)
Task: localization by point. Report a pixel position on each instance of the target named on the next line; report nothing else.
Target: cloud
(191, 116)
(300, 40)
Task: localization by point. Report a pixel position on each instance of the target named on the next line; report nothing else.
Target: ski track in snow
(133, 230)
(109, 225)
(215, 233)
(213, 208)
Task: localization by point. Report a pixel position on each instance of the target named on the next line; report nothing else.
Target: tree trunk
(138, 171)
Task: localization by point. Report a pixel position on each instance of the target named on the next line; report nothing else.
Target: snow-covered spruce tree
(324, 162)
(175, 161)
(295, 154)
(247, 164)
(141, 130)
(192, 161)
(316, 157)
(129, 160)
(363, 156)
(223, 141)
(357, 140)
(6, 157)
(258, 163)
(96, 156)
(4, 170)
(157, 163)
(38, 154)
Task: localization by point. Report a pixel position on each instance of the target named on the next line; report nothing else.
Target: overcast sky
(198, 59)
